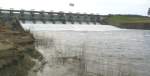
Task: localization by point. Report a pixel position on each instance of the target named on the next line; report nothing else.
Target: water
(100, 52)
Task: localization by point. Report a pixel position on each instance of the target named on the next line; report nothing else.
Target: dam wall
(34, 16)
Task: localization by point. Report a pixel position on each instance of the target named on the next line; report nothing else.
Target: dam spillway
(84, 49)
(62, 17)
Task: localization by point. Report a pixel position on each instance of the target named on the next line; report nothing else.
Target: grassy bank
(127, 21)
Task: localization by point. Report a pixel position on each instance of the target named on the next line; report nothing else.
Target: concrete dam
(53, 17)
(75, 44)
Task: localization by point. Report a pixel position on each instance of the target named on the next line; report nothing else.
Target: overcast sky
(139, 7)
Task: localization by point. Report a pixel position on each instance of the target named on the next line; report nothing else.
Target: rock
(5, 46)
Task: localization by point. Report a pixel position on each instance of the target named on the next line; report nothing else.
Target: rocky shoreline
(17, 50)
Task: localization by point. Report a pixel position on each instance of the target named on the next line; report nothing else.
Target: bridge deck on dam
(34, 16)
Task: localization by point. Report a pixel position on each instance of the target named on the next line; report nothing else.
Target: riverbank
(17, 50)
(128, 21)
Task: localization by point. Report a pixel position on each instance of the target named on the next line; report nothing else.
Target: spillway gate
(34, 16)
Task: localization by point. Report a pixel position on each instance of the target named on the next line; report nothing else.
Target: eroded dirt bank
(17, 50)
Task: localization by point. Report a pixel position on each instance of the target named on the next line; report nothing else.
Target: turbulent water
(91, 50)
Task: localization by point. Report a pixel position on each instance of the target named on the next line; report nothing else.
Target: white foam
(72, 27)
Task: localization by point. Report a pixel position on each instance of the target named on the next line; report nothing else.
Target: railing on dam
(31, 15)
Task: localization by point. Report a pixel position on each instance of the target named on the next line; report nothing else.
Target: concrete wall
(54, 17)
